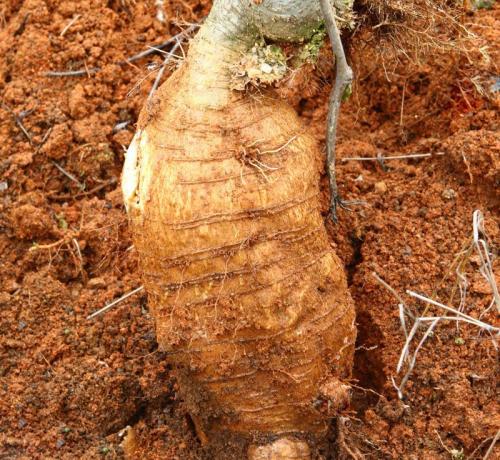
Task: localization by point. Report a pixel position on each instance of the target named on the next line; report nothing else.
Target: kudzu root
(250, 301)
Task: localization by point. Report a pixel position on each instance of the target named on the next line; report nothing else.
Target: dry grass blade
(115, 302)
(155, 48)
(460, 316)
(19, 122)
(391, 157)
(70, 23)
(481, 244)
(413, 28)
(167, 59)
(73, 73)
(492, 446)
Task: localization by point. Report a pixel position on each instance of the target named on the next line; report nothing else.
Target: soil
(70, 386)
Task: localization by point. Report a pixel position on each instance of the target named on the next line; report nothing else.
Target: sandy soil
(69, 386)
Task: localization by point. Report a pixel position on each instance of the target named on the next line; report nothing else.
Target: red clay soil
(70, 386)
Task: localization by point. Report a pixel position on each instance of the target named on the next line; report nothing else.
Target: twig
(390, 289)
(393, 157)
(486, 268)
(72, 73)
(479, 447)
(87, 71)
(159, 76)
(455, 453)
(19, 122)
(459, 314)
(135, 57)
(401, 115)
(343, 80)
(413, 360)
(434, 320)
(68, 175)
(70, 23)
(47, 362)
(115, 302)
(79, 252)
(492, 446)
(45, 137)
(38, 247)
(155, 48)
(365, 390)
(96, 189)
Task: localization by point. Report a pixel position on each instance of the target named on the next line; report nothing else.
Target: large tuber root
(250, 301)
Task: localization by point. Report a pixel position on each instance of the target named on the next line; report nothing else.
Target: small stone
(22, 423)
(3, 186)
(449, 194)
(21, 325)
(422, 212)
(60, 442)
(381, 187)
(97, 283)
(11, 286)
(4, 298)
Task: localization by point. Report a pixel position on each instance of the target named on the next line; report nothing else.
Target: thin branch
(72, 73)
(393, 157)
(159, 76)
(390, 289)
(96, 189)
(19, 122)
(492, 446)
(486, 268)
(70, 23)
(115, 302)
(68, 175)
(343, 80)
(481, 324)
(155, 48)
(413, 361)
(151, 50)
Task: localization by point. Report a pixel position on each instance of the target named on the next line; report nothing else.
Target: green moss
(483, 4)
(61, 221)
(347, 93)
(310, 51)
(263, 64)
